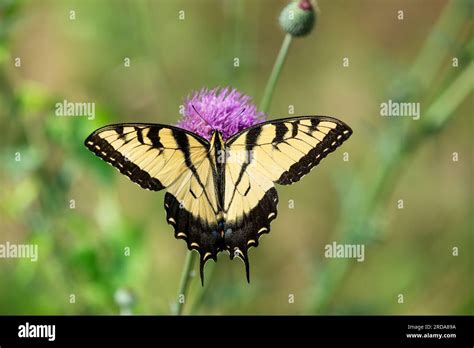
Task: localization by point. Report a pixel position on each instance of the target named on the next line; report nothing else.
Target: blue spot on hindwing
(228, 233)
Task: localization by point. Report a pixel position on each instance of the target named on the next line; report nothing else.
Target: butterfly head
(217, 139)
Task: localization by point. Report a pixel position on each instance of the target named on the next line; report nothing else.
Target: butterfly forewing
(148, 154)
(287, 149)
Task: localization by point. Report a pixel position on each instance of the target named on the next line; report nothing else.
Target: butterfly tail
(202, 262)
(245, 258)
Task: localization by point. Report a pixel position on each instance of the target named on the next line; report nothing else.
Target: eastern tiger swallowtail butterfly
(220, 195)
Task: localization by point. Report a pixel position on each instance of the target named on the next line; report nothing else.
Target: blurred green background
(408, 251)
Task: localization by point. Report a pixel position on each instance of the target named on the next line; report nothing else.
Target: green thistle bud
(298, 18)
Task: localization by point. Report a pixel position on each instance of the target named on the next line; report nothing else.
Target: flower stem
(184, 282)
(429, 60)
(272, 81)
(440, 111)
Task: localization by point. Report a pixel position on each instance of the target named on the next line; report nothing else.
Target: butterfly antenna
(202, 118)
(237, 115)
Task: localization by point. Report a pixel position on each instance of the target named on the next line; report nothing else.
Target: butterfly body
(221, 193)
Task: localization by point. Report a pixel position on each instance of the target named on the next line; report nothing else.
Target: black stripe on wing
(333, 139)
(289, 131)
(143, 135)
(250, 142)
(103, 149)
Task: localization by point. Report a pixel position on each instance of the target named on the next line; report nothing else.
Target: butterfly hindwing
(192, 209)
(281, 152)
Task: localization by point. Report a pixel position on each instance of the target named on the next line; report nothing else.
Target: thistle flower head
(223, 109)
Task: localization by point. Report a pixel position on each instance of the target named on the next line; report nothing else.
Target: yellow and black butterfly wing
(280, 151)
(164, 157)
(192, 208)
(149, 154)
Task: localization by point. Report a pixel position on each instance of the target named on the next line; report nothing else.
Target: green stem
(429, 60)
(439, 112)
(202, 292)
(272, 81)
(184, 282)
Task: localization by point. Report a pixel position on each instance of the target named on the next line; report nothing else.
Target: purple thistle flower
(224, 109)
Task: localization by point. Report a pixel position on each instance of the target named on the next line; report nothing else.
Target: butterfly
(220, 195)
